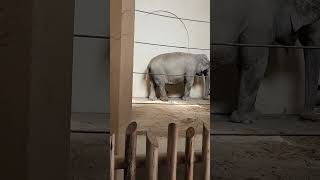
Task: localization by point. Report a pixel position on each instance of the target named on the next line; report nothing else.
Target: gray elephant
(265, 22)
(177, 67)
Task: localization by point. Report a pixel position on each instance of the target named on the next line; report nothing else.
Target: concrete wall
(168, 31)
(90, 86)
(35, 94)
(282, 90)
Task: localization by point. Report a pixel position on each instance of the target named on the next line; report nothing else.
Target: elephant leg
(152, 94)
(207, 87)
(252, 69)
(312, 66)
(187, 88)
(163, 93)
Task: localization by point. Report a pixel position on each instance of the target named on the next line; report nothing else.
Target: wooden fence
(153, 159)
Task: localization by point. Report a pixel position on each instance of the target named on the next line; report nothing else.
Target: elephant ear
(298, 21)
(205, 61)
(304, 13)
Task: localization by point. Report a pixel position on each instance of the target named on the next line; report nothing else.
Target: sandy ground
(233, 158)
(155, 117)
(264, 158)
(275, 148)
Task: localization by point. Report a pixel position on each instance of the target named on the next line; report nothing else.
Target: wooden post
(189, 153)
(172, 151)
(112, 148)
(130, 152)
(205, 153)
(152, 150)
(162, 160)
(121, 67)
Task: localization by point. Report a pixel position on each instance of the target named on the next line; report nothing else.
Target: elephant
(174, 68)
(265, 22)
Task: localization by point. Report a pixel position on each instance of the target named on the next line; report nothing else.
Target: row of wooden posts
(152, 159)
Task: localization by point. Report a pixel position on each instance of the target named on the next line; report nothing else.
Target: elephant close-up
(265, 22)
(175, 68)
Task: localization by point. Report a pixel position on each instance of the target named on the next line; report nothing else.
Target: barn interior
(280, 138)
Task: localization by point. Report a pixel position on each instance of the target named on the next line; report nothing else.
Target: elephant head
(291, 20)
(203, 64)
(203, 69)
(305, 12)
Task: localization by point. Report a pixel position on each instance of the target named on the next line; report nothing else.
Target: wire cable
(186, 19)
(264, 46)
(206, 49)
(171, 46)
(91, 36)
(184, 25)
(141, 73)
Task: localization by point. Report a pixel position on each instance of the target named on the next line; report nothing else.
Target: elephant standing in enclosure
(265, 22)
(177, 67)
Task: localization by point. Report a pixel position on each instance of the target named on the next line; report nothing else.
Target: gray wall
(91, 57)
(282, 90)
(35, 94)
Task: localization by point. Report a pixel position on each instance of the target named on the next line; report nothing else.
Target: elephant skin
(264, 22)
(174, 68)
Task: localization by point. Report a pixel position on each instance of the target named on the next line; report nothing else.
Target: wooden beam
(121, 67)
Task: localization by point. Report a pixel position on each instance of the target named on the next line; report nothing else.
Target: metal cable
(184, 25)
(166, 74)
(164, 45)
(203, 49)
(264, 46)
(91, 36)
(139, 42)
(186, 19)
(212, 134)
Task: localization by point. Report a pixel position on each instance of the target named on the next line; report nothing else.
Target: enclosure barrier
(153, 159)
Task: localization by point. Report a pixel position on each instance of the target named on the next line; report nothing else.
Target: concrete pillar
(36, 40)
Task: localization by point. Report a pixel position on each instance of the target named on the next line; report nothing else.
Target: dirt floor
(233, 158)
(156, 117)
(264, 158)
(277, 147)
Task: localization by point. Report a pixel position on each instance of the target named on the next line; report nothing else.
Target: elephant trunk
(207, 85)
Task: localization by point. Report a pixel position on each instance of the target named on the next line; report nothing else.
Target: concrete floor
(276, 147)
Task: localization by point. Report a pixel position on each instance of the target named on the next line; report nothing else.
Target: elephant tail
(147, 72)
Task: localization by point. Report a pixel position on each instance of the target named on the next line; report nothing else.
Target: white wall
(90, 91)
(168, 31)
